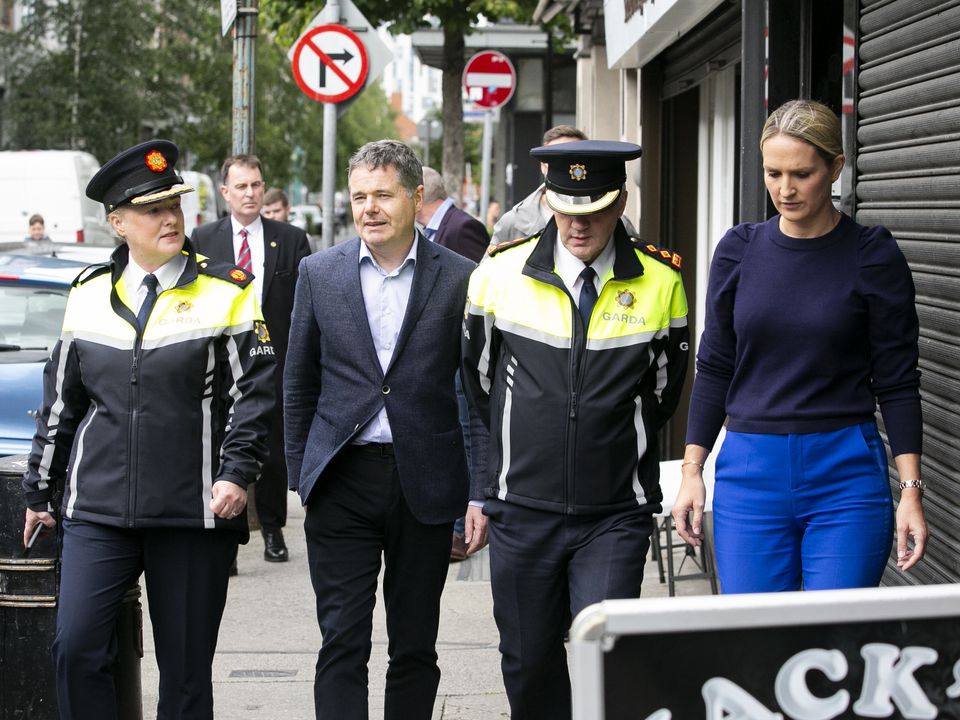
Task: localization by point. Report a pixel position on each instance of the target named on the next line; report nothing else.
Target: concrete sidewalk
(269, 640)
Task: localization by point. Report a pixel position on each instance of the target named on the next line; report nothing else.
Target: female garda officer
(810, 323)
(153, 418)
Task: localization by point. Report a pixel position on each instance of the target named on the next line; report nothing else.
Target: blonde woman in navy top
(810, 325)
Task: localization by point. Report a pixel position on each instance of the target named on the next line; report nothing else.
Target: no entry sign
(489, 79)
(330, 63)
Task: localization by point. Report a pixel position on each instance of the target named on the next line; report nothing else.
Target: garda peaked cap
(585, 176)
(139, 175)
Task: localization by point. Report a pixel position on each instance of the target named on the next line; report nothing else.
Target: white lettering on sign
(726, 700)
(795, 697)
(954, 690)
(888, 675)
(888, 681)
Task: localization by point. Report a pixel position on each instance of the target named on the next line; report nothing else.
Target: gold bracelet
(691, 462)
(918, 484)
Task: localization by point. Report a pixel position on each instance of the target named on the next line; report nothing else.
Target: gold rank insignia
(185, 306)
(263, 334)
(578, 172)
(238, 275)
(665, 256)
(626, 299)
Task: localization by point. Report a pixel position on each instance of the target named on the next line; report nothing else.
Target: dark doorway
(681, 130)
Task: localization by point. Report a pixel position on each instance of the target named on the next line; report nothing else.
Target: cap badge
(156, 161)
(578, 172)
(626, 299)
(238, 275)
(185, 306)
(262, 334)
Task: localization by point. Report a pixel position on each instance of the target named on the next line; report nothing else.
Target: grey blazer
(333, 383)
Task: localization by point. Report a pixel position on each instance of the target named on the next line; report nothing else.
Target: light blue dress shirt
(385, 296)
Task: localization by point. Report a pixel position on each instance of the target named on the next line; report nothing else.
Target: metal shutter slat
(909, 25)
(910, 97)
(918, 124)
(911, 68)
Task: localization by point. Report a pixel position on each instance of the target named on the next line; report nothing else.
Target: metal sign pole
(244, 54)
(485, 164)
(332, 16)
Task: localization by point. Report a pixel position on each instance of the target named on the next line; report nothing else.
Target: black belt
(379, 449)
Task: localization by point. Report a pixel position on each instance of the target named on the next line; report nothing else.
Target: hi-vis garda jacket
(137, 428)
(574, 416)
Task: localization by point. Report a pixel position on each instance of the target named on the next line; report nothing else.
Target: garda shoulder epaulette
(667, 257)
(90, 272)
(507, 244)
(224, 271)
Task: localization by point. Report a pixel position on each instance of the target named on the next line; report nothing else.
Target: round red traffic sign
(330, 63)
(489, 79)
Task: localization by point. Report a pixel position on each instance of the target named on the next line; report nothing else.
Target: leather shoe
(458, 549)
(274, 548)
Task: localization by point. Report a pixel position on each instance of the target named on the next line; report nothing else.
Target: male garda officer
(575, 350)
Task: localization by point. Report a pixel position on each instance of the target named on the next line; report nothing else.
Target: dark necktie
(588, 296)
(151, 282)
(428, 233)
(244, 261)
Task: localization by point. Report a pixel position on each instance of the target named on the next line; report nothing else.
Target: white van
(199, 207)
(52, 183)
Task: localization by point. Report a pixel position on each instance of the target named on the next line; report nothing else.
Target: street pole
(332, 17)
(244, 54)
(426, 147)
(485, 164)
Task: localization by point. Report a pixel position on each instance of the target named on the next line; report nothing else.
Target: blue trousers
(810, 511)
(186, 574)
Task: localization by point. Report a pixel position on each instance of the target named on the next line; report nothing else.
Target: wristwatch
(918, 484)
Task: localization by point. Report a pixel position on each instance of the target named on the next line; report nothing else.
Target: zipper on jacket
(132, 461)
(578, 351)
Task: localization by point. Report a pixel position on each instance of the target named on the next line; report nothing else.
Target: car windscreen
(31, 315)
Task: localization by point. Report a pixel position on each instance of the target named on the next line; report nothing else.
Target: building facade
(692, 82)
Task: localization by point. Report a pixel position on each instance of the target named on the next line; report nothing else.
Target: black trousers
(544, 569)
(270, 490)
(356, 514)
(186, 573)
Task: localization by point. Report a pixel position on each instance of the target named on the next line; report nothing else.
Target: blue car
(33, 297)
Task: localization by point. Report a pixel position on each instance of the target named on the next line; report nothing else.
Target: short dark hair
(36, 218)
(384, 153)
(274, 195)
(563, 131)
(250, 161)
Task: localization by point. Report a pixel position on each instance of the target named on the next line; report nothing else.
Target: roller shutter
(908, 179)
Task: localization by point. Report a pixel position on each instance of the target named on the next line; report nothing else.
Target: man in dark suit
(446, 224)
(272, 252)
(374, 444)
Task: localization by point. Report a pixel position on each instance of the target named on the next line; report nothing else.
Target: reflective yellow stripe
(628, 312)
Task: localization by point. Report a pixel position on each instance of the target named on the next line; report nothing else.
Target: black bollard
(29, 593)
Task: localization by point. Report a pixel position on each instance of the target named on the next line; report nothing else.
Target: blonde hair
(809, 121)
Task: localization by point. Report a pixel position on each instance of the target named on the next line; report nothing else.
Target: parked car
(52, 183)
(201, 206)
(33, 297)
(306, 217)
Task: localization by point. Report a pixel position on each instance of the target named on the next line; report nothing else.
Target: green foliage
(288, 18)
(102, 76)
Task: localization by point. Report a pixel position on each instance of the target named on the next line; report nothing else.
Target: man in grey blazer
(373, 439)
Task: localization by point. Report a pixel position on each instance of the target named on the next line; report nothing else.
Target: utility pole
(331, 16)
(244, 65)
